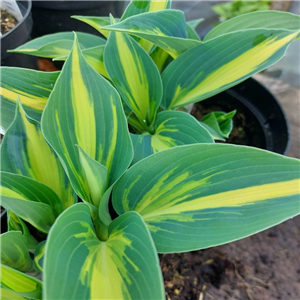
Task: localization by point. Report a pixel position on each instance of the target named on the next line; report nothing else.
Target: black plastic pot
(66, 5)
(3, 218)
(55, 16)
(16, 37)
(264, 122)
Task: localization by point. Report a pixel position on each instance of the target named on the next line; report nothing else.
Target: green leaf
(85, 110)
(7, 294)
(134, 74)
(29, 199)
(24, 151)
(221, 63)
(39, 256)
(259, 19)
(194, 23)
(172, 128)
(58, 44)
(166, 29)
(96, 22)
(219, 124)
(125, 266)
(23, 285)
(199, 196)
(94, 57)
(95, 176)
(191, 33)
(15, 223)
(14, 251)
(137, 7)
(33, 88)
(160, 57)
(191, 29)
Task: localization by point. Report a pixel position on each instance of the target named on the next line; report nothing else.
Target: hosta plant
(100, 171)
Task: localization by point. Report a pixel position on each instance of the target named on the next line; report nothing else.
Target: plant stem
(101, 230)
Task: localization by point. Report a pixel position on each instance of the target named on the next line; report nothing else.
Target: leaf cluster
(102, 167)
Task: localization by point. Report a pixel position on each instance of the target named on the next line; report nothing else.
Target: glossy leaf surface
(259, 19)
(58, 44)
(199, 196)
(221, 63)
(134, 74)
(32, 87)
(125, 266)
(85, 110)
(14, 251)
(32, 157)
(21, 284)
(172, 128)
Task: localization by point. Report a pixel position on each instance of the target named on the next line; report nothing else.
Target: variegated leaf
(96, 22)
(31, 200)
(199, 196)
(166, 29)
(21, 284)
(95, 176)
(58, 44)
(85, 110)
(14, 251)
(125, 266)
(137, 7)
(15, 223)
(163, 23)
(172, 128)
(134, 74)
(33, 88)
(160, 57)
(259, 19)
(221, 63)
(39, 256)
(94, 57)
(24, 151)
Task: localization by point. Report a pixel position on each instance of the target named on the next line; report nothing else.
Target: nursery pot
(55, 16)
(260, 120)
(3, 218)
(16, 37)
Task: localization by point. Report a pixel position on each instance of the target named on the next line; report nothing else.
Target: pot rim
(240, 93)
(28, 10)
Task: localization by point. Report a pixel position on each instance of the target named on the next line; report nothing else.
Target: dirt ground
(265, 266)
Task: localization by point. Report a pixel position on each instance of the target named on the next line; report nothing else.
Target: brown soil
(264, 266)
(246, 129)
(8, 22)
